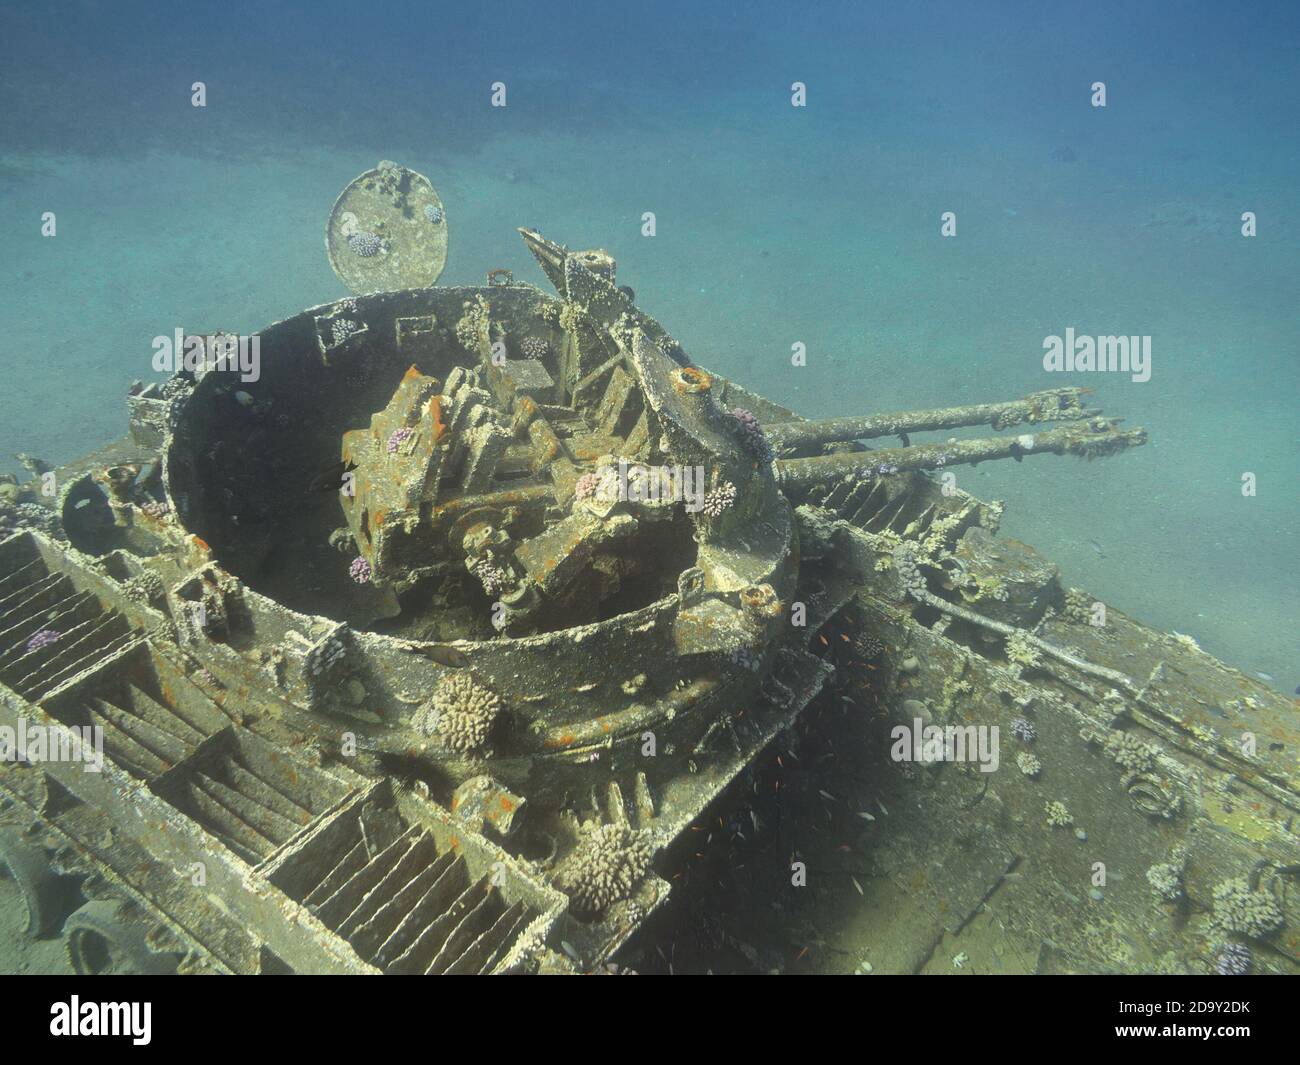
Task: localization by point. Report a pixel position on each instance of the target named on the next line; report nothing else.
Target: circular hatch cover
(387, 231)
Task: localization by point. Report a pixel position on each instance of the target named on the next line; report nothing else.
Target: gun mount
(481, 578)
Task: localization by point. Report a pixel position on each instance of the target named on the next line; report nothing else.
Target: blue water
(775, 224)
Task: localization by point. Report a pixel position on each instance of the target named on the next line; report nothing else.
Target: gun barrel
(1093, 439)
(1053, 405)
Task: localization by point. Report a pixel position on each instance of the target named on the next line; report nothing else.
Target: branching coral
(1166, 880)
(1023, 730)
(605, 867)
(719, 499)
(1028, 764)
(494, 578)
(1021, 651)
(1240, 908)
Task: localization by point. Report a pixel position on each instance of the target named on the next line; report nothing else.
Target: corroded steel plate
(387, 231)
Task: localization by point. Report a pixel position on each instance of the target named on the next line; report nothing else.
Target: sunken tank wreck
(570, 627)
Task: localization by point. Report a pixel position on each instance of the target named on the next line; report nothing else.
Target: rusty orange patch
(435, 416)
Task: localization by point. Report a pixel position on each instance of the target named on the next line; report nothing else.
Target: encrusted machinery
(426, 650)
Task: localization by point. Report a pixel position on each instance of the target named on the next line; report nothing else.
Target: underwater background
(774, 224)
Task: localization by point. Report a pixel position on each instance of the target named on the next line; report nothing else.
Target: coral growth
(398, 437)
(719, 499)
(359, 571)
(534, 347)
(909, 571)
(342, 328)
(752, 435)
(176, 387)
(43, 638)
(1128, 751)
(144, 588)
(605, 867)
(1022, 652)
(1240, 908)
(869, 646)
(492, 576)
(1023, 730)
(366, 245)
(461, 713)
(587, 485)
(473, 323)
(1078, 606)
(979, 588)
(1166, 880)
(1234, 959)
(15, 516)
